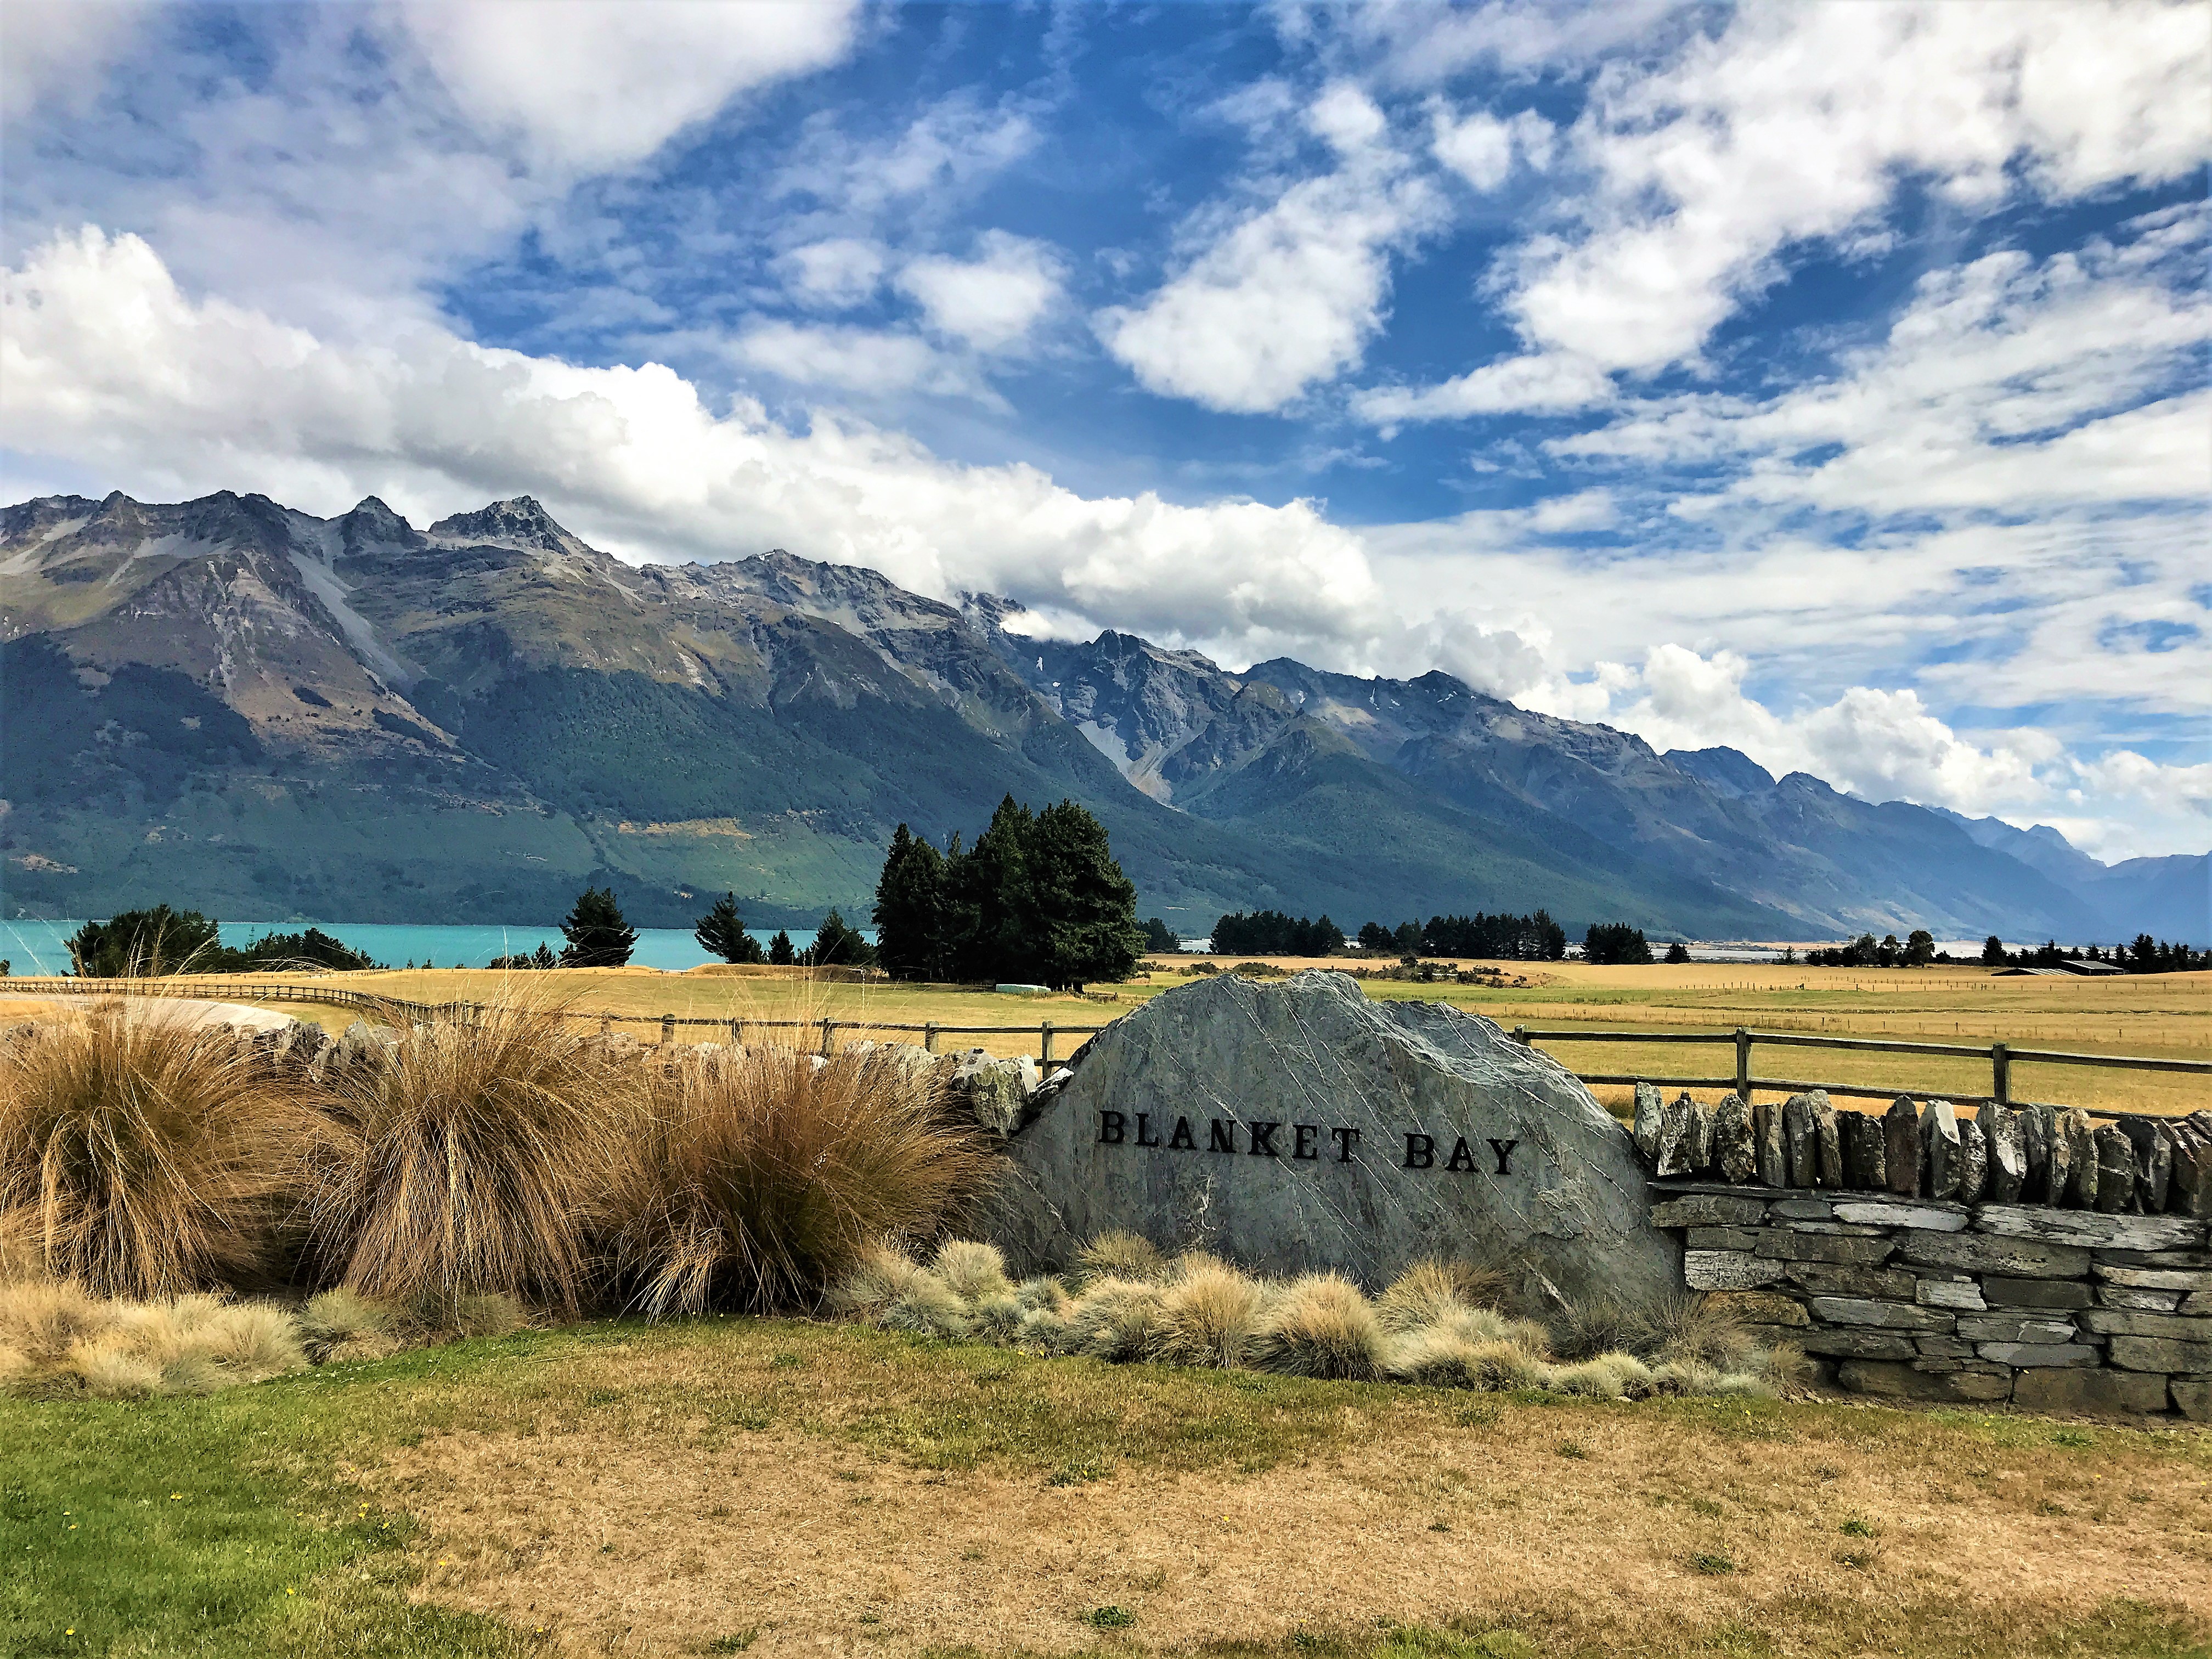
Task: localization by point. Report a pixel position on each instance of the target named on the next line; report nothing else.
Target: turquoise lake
(41, 947)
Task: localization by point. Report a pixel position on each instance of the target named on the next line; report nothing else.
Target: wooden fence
(1999, 1056)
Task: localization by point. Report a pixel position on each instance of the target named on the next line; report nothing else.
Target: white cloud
(993, 302)
(1290, 294)
(1480, 147)
(1544, 383)
(108, 365)
(60, 48)
(955, 144)
(835, 274)
(1799, 123)
(874, 361)
(590, 85)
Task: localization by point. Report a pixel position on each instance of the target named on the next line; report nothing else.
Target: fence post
(737, 1034)
(1044, 1032)
(929, 1038)
(606, 1024)
(2001, 1073)
(827, 1025)
(1742, 1065)
(668, 1029)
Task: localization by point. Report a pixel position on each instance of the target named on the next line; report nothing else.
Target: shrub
(1207, 1316)
(1115, 1320)
(474, 1161)
(1607, 1376)
(55, 1338)
(1118, 1254)
(973, 1270)
(142, 1157)
(344, 1325)
(762, 1176)
(1320, 1326)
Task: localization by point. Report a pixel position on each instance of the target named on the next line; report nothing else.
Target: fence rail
(1999, 1056)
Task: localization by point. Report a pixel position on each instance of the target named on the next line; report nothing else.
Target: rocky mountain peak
(372, 524)
(518, 522)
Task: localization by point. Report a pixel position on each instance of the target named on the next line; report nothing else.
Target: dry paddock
(853, 1494)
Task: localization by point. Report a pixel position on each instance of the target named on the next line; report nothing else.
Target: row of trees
(166, 941)
(2145, 955)
(1271, 934)
(1500, 937)
(1038, 899)
(1917, 951)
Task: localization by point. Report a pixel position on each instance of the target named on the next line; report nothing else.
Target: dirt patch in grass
(856, 1495)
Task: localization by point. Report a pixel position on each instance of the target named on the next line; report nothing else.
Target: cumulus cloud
(106, 363)
(1287, 295)
(1543, 383)
(589, 85)
(58, 48)
(992, 301)
(834, 274)
(874, 361)
(955, 144)
(1799, 123)
(1480, 147)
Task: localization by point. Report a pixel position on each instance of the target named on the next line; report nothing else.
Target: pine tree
(1086, 908)
(1678, 952)
(780, 951)
(909, 913)
(992, 930)
(597, 934)
(1993, 952)
(721, 933)
(1919, 948)
(839, 944)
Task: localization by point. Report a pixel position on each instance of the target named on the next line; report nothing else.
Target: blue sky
(1826, 380)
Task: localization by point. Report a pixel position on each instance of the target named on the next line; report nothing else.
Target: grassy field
(777, 1486)
(2162, 1016)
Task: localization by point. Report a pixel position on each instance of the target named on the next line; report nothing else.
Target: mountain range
(231, 704)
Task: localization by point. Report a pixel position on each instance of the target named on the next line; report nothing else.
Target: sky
(1823, 380)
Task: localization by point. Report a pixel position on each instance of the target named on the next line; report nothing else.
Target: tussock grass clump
(57, 1338)
(141, 1157)
(344, 1325)
(762, 1176)
(1118, 1254)
(1435, 1326)
(1320, 1326)
(474, 1161)
(1208, 1316)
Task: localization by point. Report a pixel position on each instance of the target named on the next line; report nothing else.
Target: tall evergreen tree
(721, 933)
(1086, 908)
(993, 929)
(780, 952)
(910, 912)
(837, 944)
(597, 934)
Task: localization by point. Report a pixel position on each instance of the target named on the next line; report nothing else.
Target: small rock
(1733, 1153)
(1729, 1270)
(1827, 1141)
(2035, 1146)
(2189, 1189)
(2100, 1392)
(2193, 1397)
(1864, 1167)
(1767, 1143)
(1697, 1135)
(2003, 1135)
(1939, 1143)
(1900, 1143)
(1708, 1210)
(1674, 1137)
(1959, 1295)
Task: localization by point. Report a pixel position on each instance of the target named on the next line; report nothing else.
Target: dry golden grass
(822, 1489)
(759, 1177)
(476, 1162)
(141, 1157)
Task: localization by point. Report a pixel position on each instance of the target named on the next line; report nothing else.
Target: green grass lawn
(248, 1523)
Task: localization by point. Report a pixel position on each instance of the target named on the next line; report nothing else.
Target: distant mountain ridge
(231, 703)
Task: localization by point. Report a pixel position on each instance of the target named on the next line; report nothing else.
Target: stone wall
(2052, 1308)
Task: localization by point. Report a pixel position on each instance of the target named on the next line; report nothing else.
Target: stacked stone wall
(1933, 1299)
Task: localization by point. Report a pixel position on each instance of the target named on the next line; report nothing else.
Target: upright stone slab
(1900, 1147)
(1674, 1137)
(2035, 1146)
(1939, 1148)
(1297, 1127)
(2082, 1180)
(1973, 1159)
(2116, 1170)
(1827, 1142)
(1734, 1156)
(2008, 1160)
(1645, 1130)
(2154, 1148)
(2189, 1189)
(1766, 1136)
(1864, 1167)
(2058, 1168)
(1697, 1136)
(1799, 1141)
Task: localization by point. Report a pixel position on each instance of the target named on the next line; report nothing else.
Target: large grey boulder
(997, 1090)
(1298, 1127)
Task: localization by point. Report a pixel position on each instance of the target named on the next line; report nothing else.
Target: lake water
(42, 947)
